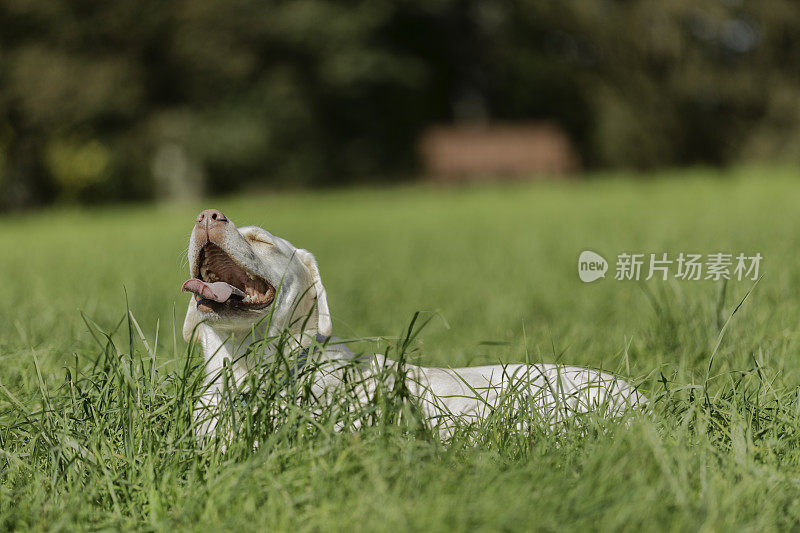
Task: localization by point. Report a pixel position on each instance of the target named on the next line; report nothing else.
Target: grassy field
(498, 263)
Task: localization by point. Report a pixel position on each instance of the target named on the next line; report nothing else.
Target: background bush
(141, 99)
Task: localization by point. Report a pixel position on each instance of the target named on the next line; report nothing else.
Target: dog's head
(239, 276)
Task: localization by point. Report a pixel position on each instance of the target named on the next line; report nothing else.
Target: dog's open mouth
(221, 281)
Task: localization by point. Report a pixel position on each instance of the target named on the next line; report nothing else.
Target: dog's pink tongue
(218, 291)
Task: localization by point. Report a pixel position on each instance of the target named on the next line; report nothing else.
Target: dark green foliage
(141, 99)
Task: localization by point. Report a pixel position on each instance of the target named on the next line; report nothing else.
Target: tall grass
(115, 439)
(96, 417)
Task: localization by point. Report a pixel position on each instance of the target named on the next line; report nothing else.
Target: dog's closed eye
(261, 239)
(257, 235)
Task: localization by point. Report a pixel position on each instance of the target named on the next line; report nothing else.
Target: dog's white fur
(300, 307)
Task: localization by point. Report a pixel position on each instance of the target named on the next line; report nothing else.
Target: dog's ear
(324, 326)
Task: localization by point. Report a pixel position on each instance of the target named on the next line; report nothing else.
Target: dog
(248, 284)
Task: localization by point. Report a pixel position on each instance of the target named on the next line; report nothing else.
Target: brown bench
(532, 150)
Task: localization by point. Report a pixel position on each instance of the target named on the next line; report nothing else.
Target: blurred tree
(146, 98)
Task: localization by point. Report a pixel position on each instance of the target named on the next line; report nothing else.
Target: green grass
(96, 437)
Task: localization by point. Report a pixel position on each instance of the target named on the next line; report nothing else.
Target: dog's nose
(212, 226)
(211, 217)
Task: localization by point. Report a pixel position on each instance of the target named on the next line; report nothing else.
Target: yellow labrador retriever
(239, 275)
